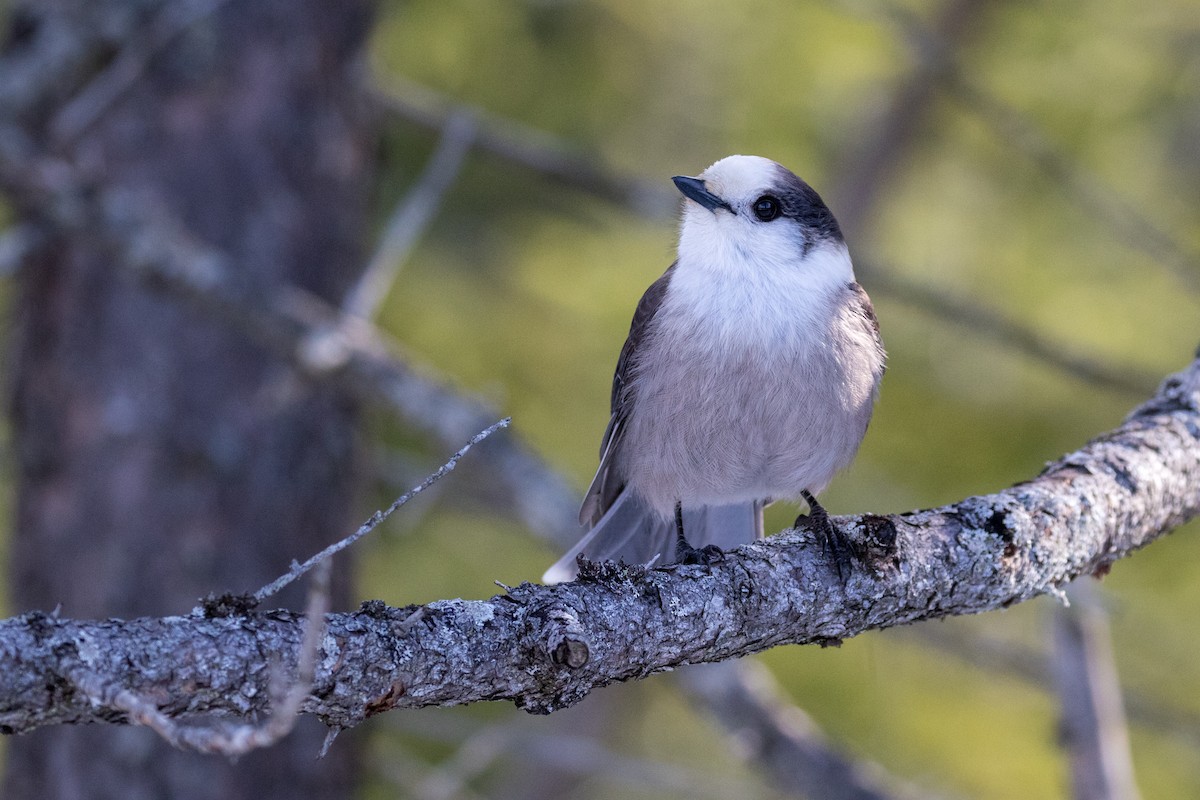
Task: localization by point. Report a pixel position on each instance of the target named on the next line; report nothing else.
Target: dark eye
(766, 208)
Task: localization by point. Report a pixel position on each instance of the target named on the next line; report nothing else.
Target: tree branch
(545, 648)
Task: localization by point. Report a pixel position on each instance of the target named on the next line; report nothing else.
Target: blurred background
(1018, 185)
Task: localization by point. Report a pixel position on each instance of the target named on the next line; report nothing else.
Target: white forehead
(738, 177)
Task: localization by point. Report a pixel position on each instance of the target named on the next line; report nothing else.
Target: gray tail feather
(632, 533)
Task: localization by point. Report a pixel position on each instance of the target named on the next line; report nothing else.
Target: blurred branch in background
(112, 83)
(584, 758)
(1109, 208)
(529, 147)
(867, 170)
(549, 156)
(939, 69)
(412, 215)
(1093, 728)
(887, 147)
(766, 727)
(1033, 666)
(991, 323)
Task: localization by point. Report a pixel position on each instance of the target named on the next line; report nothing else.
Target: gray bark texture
(160, 453)
(545, 648)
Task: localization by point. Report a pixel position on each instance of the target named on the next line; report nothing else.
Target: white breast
(761, 297)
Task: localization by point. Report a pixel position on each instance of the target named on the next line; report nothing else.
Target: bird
(749, 375)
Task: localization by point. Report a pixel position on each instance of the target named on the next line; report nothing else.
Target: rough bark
(547, 647)
(160, 453)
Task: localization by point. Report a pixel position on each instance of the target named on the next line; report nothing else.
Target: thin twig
(379, 516)
(412, 216)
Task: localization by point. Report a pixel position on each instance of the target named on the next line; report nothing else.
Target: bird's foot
(706, 556)
(686, 554)
(835, 543)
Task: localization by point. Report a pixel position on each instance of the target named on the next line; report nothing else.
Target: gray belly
(744, 425)
(742, 428)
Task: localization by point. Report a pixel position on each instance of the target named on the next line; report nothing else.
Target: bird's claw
(705, 556)
(834, 542)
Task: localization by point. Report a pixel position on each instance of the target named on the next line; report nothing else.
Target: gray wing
(608, 484)
(867, 310)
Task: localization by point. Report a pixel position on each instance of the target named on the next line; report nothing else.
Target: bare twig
(412, 216)
(379, 516)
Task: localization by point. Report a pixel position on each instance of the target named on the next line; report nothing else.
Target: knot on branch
(571, 653)
(878, 542)
(566, 641)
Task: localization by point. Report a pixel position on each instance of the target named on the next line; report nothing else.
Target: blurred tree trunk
(160, 455)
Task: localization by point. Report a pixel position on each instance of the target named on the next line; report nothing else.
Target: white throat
(749, 284)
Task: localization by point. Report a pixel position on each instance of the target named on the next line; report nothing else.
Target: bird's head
(750, 213)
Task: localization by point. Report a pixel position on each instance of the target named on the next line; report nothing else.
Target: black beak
(694, 189)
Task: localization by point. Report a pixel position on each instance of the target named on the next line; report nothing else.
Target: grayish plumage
(749, 375)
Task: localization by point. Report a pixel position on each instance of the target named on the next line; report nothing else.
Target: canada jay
(749, 376)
